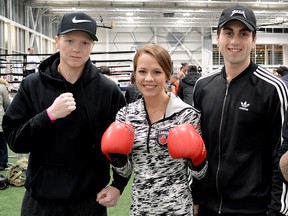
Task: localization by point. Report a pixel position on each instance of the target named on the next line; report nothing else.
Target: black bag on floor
(3, 182)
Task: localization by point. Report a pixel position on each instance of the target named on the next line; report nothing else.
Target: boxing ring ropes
(119, 62)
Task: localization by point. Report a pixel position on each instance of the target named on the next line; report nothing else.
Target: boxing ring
(119, 63)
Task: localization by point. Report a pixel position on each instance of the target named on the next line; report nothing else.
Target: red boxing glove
(117, 139)
(185, 142)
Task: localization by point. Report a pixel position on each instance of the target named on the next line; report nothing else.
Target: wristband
(51, 117)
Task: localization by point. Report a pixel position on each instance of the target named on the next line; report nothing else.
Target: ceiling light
(129, 14)
(130, 19)
(279, 19)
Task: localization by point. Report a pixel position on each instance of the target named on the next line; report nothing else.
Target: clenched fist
(62, 106)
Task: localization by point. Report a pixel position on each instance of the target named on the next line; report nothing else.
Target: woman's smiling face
(150, 77)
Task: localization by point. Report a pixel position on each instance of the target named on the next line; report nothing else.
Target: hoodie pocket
(61, 182)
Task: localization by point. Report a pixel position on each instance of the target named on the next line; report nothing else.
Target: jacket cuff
(119, 182)
(51, 117)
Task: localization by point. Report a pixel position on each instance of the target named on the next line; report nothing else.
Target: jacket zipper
(148, 138)
(219, 151)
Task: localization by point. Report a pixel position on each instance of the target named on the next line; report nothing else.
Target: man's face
(31, 51)
(235, 41)
(185, 67)
(75, 48)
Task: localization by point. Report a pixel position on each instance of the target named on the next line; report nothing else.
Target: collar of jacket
(247, 72)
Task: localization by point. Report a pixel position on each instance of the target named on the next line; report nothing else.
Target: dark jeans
(206, 212)
(32, 207)
(3, 150)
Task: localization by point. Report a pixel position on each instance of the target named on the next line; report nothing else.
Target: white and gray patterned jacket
(161, 184)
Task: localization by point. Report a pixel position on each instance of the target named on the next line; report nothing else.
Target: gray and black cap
(241, 13)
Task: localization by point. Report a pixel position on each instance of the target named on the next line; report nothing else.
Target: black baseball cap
(241, 13)
(77, 22)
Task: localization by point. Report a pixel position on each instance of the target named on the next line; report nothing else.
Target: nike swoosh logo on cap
(74, 20)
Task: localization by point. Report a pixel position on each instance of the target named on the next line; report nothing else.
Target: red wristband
(52, 118)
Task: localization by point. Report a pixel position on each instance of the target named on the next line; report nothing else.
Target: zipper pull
(227, 89)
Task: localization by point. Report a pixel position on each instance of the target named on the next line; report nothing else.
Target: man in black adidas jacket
(243, 107)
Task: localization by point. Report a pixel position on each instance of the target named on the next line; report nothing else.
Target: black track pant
(206, 212)
(32, 207)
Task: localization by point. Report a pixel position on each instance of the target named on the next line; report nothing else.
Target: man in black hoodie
(186, 86)
(59, 115)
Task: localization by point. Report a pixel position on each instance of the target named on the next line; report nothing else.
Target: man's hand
(283, 164)
(196, 210)
(62, 106)
(108, 196)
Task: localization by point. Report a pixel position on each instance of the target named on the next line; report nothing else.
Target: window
(258, 54)
(217, 57)
(275, 54)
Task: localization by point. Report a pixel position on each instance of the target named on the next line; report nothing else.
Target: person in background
(283, 153)
(174, 84)
(167, 150)
(4, 103)
(186, 86)
(183, 70)
(283, 150)
(242, 109)
(14, 86)
(132, 92)
(199, 69)
(107, 72)
(283, 72)
(58, 116)
(31, 63)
